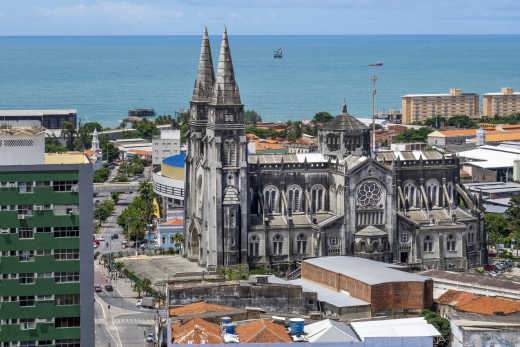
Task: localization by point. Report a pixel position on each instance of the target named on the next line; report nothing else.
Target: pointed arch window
(432, 191)
(451, 243)
(410, 194)
(229, 155)
(295, 198)
(318, 198)
(270, 199)
(301, 244)
(254, 246)
(428, 244)
(277, 244)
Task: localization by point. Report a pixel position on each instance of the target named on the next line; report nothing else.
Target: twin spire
(222, 90)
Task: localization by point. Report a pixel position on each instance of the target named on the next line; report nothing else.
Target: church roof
(203, 88)
(345, 122)
(370, 231)
(225, 91)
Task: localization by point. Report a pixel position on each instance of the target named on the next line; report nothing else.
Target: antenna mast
(373, 79)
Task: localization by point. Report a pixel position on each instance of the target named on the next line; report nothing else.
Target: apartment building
(46, 251)
(419, 107)
(165, 145)
(505, 103)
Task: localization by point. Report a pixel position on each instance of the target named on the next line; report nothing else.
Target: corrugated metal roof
(328, 330)
(394, 328)
(365, 270)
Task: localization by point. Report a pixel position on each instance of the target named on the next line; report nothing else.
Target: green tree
(441, 324)
(412, 135)
(322, 117)
(178, 239)
(101, 175)
(497, 228)
(147, 129)
(251, 117)
(53, 145)
(435, 122)
(115, 196)
(104, 210)
(110, 152)
(69, 134)
(462, 122)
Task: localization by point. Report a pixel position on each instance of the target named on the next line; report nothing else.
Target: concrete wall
(271, 297)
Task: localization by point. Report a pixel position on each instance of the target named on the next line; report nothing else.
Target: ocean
(104, 77)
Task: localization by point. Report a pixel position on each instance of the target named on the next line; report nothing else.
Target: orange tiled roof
(262, 331)
(459, 132)
(261, 146)
(502, 136)
(90, 153)
(511, 126)
(469, 302)
(174, 221)
(197, 308)
(464, 172)
(140, 152)
(196, 331)
(304, 142)
(252, 137)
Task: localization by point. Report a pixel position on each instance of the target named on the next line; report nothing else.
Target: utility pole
(373, 79)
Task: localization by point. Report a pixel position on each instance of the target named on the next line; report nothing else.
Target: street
(118, 321)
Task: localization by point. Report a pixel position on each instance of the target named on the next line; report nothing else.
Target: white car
(101, 238)
(139, 303)
(150, 337)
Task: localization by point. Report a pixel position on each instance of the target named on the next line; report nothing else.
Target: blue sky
(141, 17)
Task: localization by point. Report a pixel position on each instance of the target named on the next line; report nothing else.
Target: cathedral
(271, 210)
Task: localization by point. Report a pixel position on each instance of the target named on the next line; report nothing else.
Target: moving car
(139, 303)
(109, 288)
(115, 236)
(97, 288)
(149, 338)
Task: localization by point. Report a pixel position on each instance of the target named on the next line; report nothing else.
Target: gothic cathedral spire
(203, 89)
(225, 91)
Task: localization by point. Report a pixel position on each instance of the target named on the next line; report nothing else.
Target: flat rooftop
(394, 328)
(365, 270)
(338, 299)
(437, 95)
(29, 113)
(66, 158)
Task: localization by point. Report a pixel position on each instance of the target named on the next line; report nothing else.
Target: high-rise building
(46, 249)
(419, 107)
(505, 103)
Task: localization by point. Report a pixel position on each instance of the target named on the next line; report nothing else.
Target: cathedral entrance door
(404, 257)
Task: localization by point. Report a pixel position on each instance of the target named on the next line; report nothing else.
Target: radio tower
(373, 79)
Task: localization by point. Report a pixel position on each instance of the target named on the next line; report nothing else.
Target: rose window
(369, 194)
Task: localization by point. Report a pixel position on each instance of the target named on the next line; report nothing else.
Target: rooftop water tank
(226, 320)
(296, 326)
(230, 328)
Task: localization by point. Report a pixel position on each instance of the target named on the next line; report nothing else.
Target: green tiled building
(46, 264)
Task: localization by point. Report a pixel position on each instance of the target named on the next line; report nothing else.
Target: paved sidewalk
(122, 285)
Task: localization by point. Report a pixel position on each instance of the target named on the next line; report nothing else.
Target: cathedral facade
(274, 210)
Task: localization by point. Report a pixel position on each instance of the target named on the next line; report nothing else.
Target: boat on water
(278, 53)
(376, 64)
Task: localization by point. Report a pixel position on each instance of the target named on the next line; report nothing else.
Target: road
(118, 321)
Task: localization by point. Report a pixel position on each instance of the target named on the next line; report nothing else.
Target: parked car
(109, 288)
(97, 288)
(489, 267)
(150, 337)
(148, 301)
(115, 236)
(139, 303)
(96, 242)
(101, 238)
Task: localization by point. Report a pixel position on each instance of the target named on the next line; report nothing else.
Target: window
(66, 254)
(66, 231)
(404, 237)
(66, 322)
(44, 230)
(26, 301)
(45, 342)
(270, 198)
(26, 344)
(411, 195)
(26, 324)
(428, 244)
(254, 246)
(44, 297)
(64, 277)
(369, 194)
(42, 252)
(67, 343)
(277, 244)
(26, 256)
(25, 187)
(64, 186)
(451, 243)
(67, 299)
(432, 191)
(229, 155)
(295, 198)
(45, 275)
(317, 195)
(333, 241)
(301, 244)
(471, 234)
(43, 184)
(25, 233)
(26, 278)
(25, 210)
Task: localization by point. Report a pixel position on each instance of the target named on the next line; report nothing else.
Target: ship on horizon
(376, 64)
(278, 53)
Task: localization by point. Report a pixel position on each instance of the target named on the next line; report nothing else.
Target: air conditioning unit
(74, 189)
(4, 231)
(21, 216)
(38, 208)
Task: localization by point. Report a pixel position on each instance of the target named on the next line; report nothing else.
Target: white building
(22, 146)
(165, 145)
